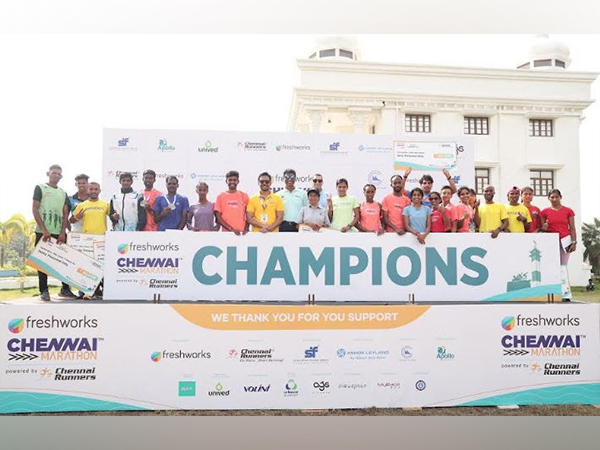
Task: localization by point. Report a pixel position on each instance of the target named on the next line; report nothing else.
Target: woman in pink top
(464, 212)
(370, 213)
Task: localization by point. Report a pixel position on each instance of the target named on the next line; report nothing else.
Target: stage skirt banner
(66, 264)
(206, 156)
(332, 266)
(197, 356)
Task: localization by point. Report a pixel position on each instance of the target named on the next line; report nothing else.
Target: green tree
(13, 226)
(591, 241)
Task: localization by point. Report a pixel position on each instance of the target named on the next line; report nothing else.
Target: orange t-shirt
(460, 210)
(370, 218)
(394, 205)
(233, 209)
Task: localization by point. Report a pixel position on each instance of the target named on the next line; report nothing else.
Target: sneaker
(566, 299)
(97, 297)
(66, 293)
(80, 295)
(45, 296)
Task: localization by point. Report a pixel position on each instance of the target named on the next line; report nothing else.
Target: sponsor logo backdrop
(102, 357)
(195, 155)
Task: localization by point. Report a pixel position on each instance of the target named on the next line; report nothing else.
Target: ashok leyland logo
(16, 325)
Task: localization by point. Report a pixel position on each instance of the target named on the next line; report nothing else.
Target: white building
(525, 121)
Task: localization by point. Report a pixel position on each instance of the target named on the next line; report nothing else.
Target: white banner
(183, 265)
(196, 155)
(118, 357)
(66, 264)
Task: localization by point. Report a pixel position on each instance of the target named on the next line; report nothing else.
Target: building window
(328, 52)
(346, 54)
(416, 123)
(476, 125)
(372, 129)
(540, 127)
(542, 182)
(482, 179)
(559, 63)
(312, 56)
(542, 63)
(524, 66)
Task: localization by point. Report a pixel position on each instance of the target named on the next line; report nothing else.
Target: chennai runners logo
(16, 325)
(508, 323)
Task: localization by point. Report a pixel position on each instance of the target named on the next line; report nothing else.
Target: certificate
(424, 155)
(90, 244)
(67, 265)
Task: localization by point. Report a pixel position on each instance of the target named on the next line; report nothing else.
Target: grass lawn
(13, 294)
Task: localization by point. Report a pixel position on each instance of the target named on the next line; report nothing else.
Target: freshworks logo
(156, 356)
(508, 323)
(123, 248)
(16, 325)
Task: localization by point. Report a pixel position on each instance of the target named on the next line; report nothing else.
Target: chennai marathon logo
(52, 348)
(523, 338)
(134, 258)
(254, 355)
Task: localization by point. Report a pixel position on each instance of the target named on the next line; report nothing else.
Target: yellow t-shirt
(491, 216)
(514, 225)
(265, 210)
(94, 216)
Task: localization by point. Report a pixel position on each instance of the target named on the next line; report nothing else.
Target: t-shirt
(313, 214)
(491, 216)
(265, 210)
(202, 217)
(233, 209)
(534, 212)
(74, 200)
(515, 225)
(425, 200)
(343, 211)
(393, 205)
(370, 216)
(437, 222)
(450, 214)
(150, 197)
(292, 203)
(558, 220)
(173, 219)
(323, 199)
(52, 200)
(460, 210)
(94, 216)
(417, 217)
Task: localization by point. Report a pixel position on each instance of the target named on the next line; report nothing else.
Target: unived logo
(508, 323)
(16, 325)
(208, 148)
(219, 391)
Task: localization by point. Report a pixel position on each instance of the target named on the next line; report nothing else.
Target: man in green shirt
(51, 212)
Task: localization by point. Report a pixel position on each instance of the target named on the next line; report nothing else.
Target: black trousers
(42, 277)
(289, 227)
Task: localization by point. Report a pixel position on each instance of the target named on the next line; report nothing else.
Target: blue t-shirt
(417, 218)
(173, 219)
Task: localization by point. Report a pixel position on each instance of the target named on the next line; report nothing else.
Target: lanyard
(173, 202)
(263, 204)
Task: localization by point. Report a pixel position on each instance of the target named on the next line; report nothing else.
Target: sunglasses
(434, 198)
(264, 181)
(289, 177)
(316, 180)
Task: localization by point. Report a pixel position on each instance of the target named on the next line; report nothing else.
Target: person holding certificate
(171, 210)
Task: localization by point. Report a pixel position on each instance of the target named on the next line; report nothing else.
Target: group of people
(419, 212)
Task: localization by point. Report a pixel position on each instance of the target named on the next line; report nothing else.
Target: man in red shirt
(230, 206)
(392, 205)
(150, 195)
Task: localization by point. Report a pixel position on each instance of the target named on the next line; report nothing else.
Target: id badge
(264, 218)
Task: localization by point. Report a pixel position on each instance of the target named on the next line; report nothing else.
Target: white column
(315, 114)
(358, 116)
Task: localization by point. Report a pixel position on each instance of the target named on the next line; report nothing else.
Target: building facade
(524, 121)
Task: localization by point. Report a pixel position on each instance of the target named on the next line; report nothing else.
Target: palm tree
(591, 240)
(15, 225)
